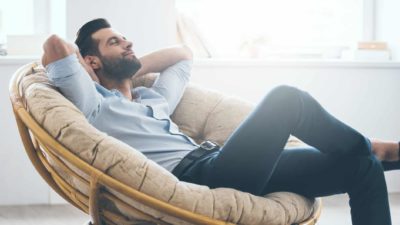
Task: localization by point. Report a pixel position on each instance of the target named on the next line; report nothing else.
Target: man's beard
(119, 69)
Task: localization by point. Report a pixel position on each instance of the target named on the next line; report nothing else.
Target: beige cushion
(202, 114)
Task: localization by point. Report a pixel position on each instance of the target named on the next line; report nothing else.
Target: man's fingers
(56, 48)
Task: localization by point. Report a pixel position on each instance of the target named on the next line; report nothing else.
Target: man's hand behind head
(56, 48)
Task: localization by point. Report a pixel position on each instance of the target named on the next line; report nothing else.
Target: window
(29, 21)
(32, 17)
(276, 29)
(14, 19)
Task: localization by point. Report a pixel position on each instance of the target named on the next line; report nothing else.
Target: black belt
(204, 148)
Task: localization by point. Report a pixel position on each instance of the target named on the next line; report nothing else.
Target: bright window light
(32, 17)
(16, 17)
(262, 28)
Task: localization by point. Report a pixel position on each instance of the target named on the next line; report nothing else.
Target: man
(340, 161)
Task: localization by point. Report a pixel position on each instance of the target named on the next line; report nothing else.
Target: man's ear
(93, 61)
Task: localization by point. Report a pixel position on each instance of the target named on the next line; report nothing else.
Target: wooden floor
(335, 212)
(42, 215)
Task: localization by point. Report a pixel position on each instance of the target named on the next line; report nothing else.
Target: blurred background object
(3, 40)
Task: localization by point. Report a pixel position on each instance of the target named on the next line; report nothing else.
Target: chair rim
(28, 126)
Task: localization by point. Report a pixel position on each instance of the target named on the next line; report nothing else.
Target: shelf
(18, 60)
(294, 63)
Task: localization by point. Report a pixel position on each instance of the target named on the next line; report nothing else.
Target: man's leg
(387, 166)
(255, 147)
(309, 172)
(249, 157)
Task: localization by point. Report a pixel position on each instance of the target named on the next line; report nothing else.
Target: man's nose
(128, 44)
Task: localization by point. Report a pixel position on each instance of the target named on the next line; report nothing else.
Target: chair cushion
(216, 121)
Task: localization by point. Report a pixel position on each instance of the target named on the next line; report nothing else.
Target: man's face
(118, 61)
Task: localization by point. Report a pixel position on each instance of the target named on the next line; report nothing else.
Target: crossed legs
(253, 159)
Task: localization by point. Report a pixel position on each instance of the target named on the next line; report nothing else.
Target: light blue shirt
(143, 123)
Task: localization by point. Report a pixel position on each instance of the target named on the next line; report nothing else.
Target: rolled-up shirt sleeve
(172, 82)
(75, 84)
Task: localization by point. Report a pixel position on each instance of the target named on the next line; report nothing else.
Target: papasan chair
(117, 185)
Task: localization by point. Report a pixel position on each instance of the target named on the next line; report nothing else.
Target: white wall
(387, 28)
(20, 183)
(150, 24)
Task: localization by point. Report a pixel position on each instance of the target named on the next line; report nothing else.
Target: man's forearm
(66, 69)
(158, 61)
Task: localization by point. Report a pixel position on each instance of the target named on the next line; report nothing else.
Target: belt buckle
(208, 145)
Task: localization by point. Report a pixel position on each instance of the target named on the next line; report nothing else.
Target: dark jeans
(254, 160)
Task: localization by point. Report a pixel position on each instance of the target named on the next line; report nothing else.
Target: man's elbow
(52, 40)
(188, 53)
(56, 48)
(54, 44)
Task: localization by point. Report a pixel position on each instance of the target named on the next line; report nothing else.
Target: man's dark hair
(86, 44)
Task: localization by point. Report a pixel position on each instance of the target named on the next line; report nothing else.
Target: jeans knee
(283, 102)
(284, 90)
(282, 94)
